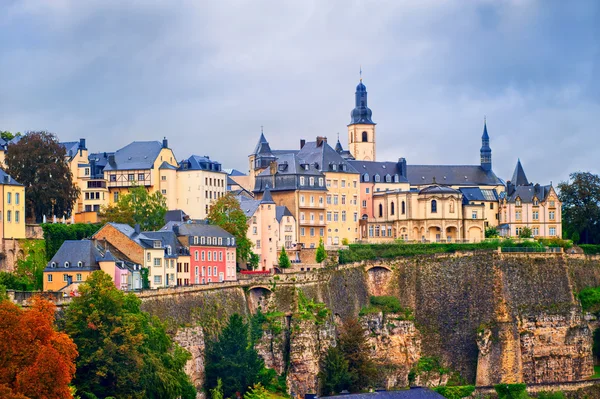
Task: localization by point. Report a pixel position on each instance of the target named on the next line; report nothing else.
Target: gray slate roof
(71, 148)
(5, 178)
(196, 162)
(414, 393)
(74, 251)
(325, 156)
(477, 194)
(438, 189)
(282, 211)
(176, 215)
(382, 169)
(198, 229)
(518, 177)
(248, 206)
(527, 193)
(167, 238)
(454, 175)
(136, 155)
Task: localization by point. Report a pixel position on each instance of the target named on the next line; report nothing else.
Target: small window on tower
(365, 137)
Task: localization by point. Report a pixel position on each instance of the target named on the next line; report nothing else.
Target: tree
(123, 352)
(334, 374)
(257, 391)
(226, 213)
(320, 254)
(217, 392)
(138, 207)
(491, 232)
(232, 358)
(36, 361)
(38, 162)
(580, 197)
(253, 261)
(8, 136)
(525, 233)
(354, 346)
(284, 260)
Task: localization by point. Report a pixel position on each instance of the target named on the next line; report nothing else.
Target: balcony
(312, 223)
(312, 206)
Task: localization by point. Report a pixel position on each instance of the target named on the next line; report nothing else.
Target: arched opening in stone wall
(258, 297)
(378, 280)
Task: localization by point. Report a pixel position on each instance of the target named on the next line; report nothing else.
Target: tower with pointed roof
(486, 151)
(261, 158)
(518, 177)
(361, 130)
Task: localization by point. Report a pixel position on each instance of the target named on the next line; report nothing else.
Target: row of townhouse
(191, 184)
(342, 195)
(177, 255)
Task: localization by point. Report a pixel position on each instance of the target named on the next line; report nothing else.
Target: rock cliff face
(192, 340)
(486, 317)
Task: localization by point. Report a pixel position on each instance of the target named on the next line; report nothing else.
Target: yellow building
(200, 182)
(12, 213)
(361, 130)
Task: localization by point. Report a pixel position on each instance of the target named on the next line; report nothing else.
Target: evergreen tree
(284, 260)
(123, 352)
(232, 358)
(354, 346)
(321, 254)
(334, 374)
(226, 213)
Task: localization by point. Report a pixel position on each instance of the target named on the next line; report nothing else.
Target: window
(388, 178)
(115, 197)
(301, 180)
(343, 200)
(163, 191)
(302, 231)
(518, 202)
(157, 244)
(196, 255)
(141, 177)
(343, 183)
(320, 181)
(451, 206)
(113, 177)
(392, 208)
(17, 198)
(312, 199)
(536, 215)
(209, 255)
(53, 265)
(536, 231)
(491, 205)
(148, 257)
(257, 244)
(364, 203)
(365, 137)
(474, 215)
(552, 231)
(16, 216)
(365, 177)
(321, 232)
(157, 262)
(254, 230)
(65, 277)
(403, 207)
(329, 216)
(49, 278)
(377, 178)
(202, 240)
(433, 206)
(8, 216)
(551, 215)
(78, 277)
(517, 231)
(329, 200)
(367, 190)
(220, 256)
(8, 197)
(67, 264)
(311, 181)
(518, 215)
(80, 264)
(335, 216)
(86, 171)
(380, 210)
(343, 216)
(356, 216)
(163, 178)
(320, 200)
(131, 177)
(302, 199)
(157, 280)
(335, 200)
(552, 204)
(312, 231)
(214, 271)
(210, 271)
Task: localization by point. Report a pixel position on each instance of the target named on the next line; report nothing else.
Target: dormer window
(195, 240)
(334, 167)
(301, 180)
(388, 178)
(518, 202)
(220, 241)
(53, 265)
(366, 177)
(67, 264)
(233, 241)
(320, 182)
(157, 244)
(535, 202)
(208, 240)
(202, 240)
(396, 178)
(168, 248)
(228, 240)
(377, 178)
(311, 181)
(80, 264)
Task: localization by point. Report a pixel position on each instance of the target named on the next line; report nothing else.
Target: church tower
(485, 151)
(361, 130)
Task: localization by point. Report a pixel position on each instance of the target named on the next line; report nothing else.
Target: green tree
(57, 233)
(580, 197)
(232, 358)
(525, 233)
(284, 260)
(217, 392)
(253, 261)
(38, 162)
(320, 254)
(257, 391)
(138, 206)
(226, 213)
(354, 346)
(511, 391)
(123, 352)
(334, 374)
(575, 237)
(491, 232)
(8, 136)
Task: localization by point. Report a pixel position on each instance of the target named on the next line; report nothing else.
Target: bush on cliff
(334, 373)
(590, 299)
(353, 344)
(590, 249)
(386, 305)
(511, 391)
(551, 395)
(457, 392)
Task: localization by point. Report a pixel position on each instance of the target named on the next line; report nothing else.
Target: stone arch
(378, 279)
(258, 297)
(474, 234)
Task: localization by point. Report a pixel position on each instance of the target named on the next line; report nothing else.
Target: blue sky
(208, 74)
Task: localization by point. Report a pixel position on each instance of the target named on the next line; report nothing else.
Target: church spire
(485, 151)
(361, 112)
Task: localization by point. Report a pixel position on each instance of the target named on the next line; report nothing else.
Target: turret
(486, 151)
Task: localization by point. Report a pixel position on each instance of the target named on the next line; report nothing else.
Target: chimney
(165, 143)
(320, 140)
(302, 142)
(6, 179)
(111, 158)
(176, 229)
(402, 166)
(136, 228)
(82, 144)
(273, 167)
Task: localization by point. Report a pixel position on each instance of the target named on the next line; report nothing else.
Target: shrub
(551, 395)
(590, 299)
(525, 233)
(590, 249)
(511, 391)
(457, 392)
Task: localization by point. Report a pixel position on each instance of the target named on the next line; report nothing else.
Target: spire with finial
(485, 151)
(361, 112)
(338, 145)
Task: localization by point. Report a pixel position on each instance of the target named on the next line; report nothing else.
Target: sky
(208, 74)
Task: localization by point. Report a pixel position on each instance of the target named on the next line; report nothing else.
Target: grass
(596, 372)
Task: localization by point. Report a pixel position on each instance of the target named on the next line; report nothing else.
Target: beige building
(525, 204)
(270, 228)
(12, 213)
(200, 182)
(361, 130)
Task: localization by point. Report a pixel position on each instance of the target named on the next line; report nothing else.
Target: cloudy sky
(208, 74)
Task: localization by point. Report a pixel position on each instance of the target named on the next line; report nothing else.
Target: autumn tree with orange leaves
(36, 361)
